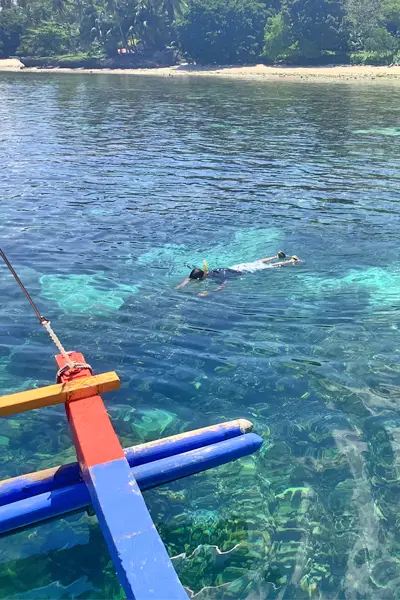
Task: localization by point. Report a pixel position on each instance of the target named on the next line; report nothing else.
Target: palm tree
(173, 8)
(114, 8)
(59, 8)
(79, 7)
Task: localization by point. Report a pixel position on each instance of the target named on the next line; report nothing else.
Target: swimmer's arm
(265, 260)
(279, 255)
(219, 289)
(222, 286)
(285, 263)
(182, 285)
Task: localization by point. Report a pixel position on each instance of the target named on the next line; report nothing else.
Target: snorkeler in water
(222, 275)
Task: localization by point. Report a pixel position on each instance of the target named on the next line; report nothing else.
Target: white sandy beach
(10, 64)
(255, 72)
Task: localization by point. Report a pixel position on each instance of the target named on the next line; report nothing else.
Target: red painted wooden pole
(139, 555)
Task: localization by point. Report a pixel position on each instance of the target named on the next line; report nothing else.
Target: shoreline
(345, 73)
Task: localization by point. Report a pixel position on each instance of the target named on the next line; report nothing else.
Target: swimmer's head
(197, 274)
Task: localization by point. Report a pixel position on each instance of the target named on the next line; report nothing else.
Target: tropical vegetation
(205, 31)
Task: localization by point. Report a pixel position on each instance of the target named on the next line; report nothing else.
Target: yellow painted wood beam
(59, 393)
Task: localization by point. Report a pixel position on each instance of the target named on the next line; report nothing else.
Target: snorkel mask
(205, 269)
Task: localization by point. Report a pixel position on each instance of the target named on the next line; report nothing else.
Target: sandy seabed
(256, 72)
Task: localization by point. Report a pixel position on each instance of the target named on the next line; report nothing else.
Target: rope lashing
(56, 341)
(70, 364)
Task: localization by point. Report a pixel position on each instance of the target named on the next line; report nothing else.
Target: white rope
(60, 347)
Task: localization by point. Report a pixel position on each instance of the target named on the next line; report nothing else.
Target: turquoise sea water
(109, 187)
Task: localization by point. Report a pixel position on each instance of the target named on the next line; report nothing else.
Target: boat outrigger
(108, 477)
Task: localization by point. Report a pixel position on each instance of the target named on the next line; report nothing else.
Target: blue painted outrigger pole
(111, 479)
(151, 453)
(40, 507)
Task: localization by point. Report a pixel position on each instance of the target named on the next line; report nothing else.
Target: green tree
(48, 39)
(315, 26)
(90, 31)
(277, 38)
(222, 31)
(391, 17)
(37, 11)
(95, 24)
(173, 8)
(59, 8)
(208, 31)
(152, 25)
(366, 26)
(306, 29)
(11, 27)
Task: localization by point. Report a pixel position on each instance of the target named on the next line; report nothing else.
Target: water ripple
(110, 186)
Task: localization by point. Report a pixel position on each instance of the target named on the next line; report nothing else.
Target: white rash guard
(251, 267)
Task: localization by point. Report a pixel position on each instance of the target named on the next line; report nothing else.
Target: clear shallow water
(109, 187)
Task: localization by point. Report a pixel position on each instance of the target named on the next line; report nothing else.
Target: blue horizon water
(110, 186)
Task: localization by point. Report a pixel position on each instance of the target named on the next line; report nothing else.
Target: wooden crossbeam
(59, 393)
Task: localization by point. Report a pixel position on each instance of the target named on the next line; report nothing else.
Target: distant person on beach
(222, 275)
